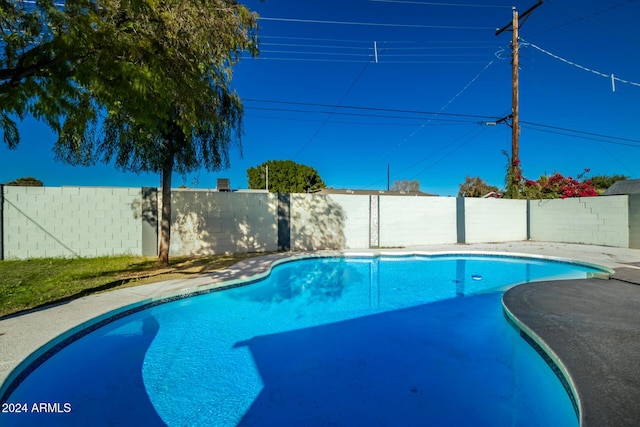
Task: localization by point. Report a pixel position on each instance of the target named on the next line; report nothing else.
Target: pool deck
(592, 325)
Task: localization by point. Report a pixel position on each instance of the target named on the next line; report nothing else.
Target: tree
(285, 176)
(476, 187)
(602, 182)
(50, 53)
(406, 185)
(27, 181)
(144, 84)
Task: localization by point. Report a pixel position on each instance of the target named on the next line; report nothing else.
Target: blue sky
(317, 96)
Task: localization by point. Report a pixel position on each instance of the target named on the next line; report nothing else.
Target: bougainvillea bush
(558, 186)
(546, 187)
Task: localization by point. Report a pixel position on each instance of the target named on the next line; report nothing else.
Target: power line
(581, 137)
(362, 61)
(580, 17)
(368, 42)
(611, 76)
(440, 112)
(315, 46)
(447, 122)
(369, 48)
(589, 17)
(314, 39)
(342, 113)
(426, 3)
(430, 113)
(579, 132)
(353, 107)
(373, 24)
(317, 132)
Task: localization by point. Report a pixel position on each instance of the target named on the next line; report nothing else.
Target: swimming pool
(326, 341)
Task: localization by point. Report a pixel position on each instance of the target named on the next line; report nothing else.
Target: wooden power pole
(516, 170)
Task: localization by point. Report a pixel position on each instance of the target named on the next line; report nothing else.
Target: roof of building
(627, 186)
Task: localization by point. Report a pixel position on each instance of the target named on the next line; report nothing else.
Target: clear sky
(317, 96)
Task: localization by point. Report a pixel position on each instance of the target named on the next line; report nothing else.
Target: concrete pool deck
(593, 325)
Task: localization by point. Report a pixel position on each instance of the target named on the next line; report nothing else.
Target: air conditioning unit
(224, 184)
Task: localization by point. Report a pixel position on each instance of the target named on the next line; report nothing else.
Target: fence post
(374, 221)
(284, 221)
(528, 219)
(460, 220)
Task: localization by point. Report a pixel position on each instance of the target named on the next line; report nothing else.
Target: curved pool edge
(592, 326)
(13, 370)
(549, 356)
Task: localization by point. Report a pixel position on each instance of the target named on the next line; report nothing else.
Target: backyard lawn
(27, 284)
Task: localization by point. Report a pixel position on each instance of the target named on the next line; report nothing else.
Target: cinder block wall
(588, 220)
(320, 221)
(71, 221)
(495, 220)
(407, 221)
(210, 222)
(95, 221)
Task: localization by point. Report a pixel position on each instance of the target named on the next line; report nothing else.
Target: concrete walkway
(593, 325)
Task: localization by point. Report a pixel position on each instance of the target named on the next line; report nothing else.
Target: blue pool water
(396, 341)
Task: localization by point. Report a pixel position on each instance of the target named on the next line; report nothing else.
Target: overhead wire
(438, 151)
(440, 112)
(374, 24)
(386, 123)
(587, 135)
(610, 76)
(342, 113)
(590, 18)
(455, 149)
(378, 109)
(317, 132)
(322, 49)
(428, 3)
(416, 49)
(579, 136)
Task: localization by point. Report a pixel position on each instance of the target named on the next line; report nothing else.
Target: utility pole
(516, 170)
(388, 176)
(267, 178)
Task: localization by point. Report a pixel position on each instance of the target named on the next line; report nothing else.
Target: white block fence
(95, 221)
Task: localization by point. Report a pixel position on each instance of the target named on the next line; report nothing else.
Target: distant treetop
(284, 176)
(27, 181)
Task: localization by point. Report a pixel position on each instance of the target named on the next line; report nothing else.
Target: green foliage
(513, 178)
(475, 187)
(406, 185)
(168, 100)
(142, 83)
(43, 46)
(555, 186)
(602, 182)
(28, 181)
(285, 176)
(558, 186)
(149, 70)
(27, 284)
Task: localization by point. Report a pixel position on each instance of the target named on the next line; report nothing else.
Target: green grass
(27, 284)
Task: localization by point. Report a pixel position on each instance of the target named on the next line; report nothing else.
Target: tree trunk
(165, 219)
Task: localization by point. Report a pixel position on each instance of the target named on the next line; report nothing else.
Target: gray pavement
(593, 325)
